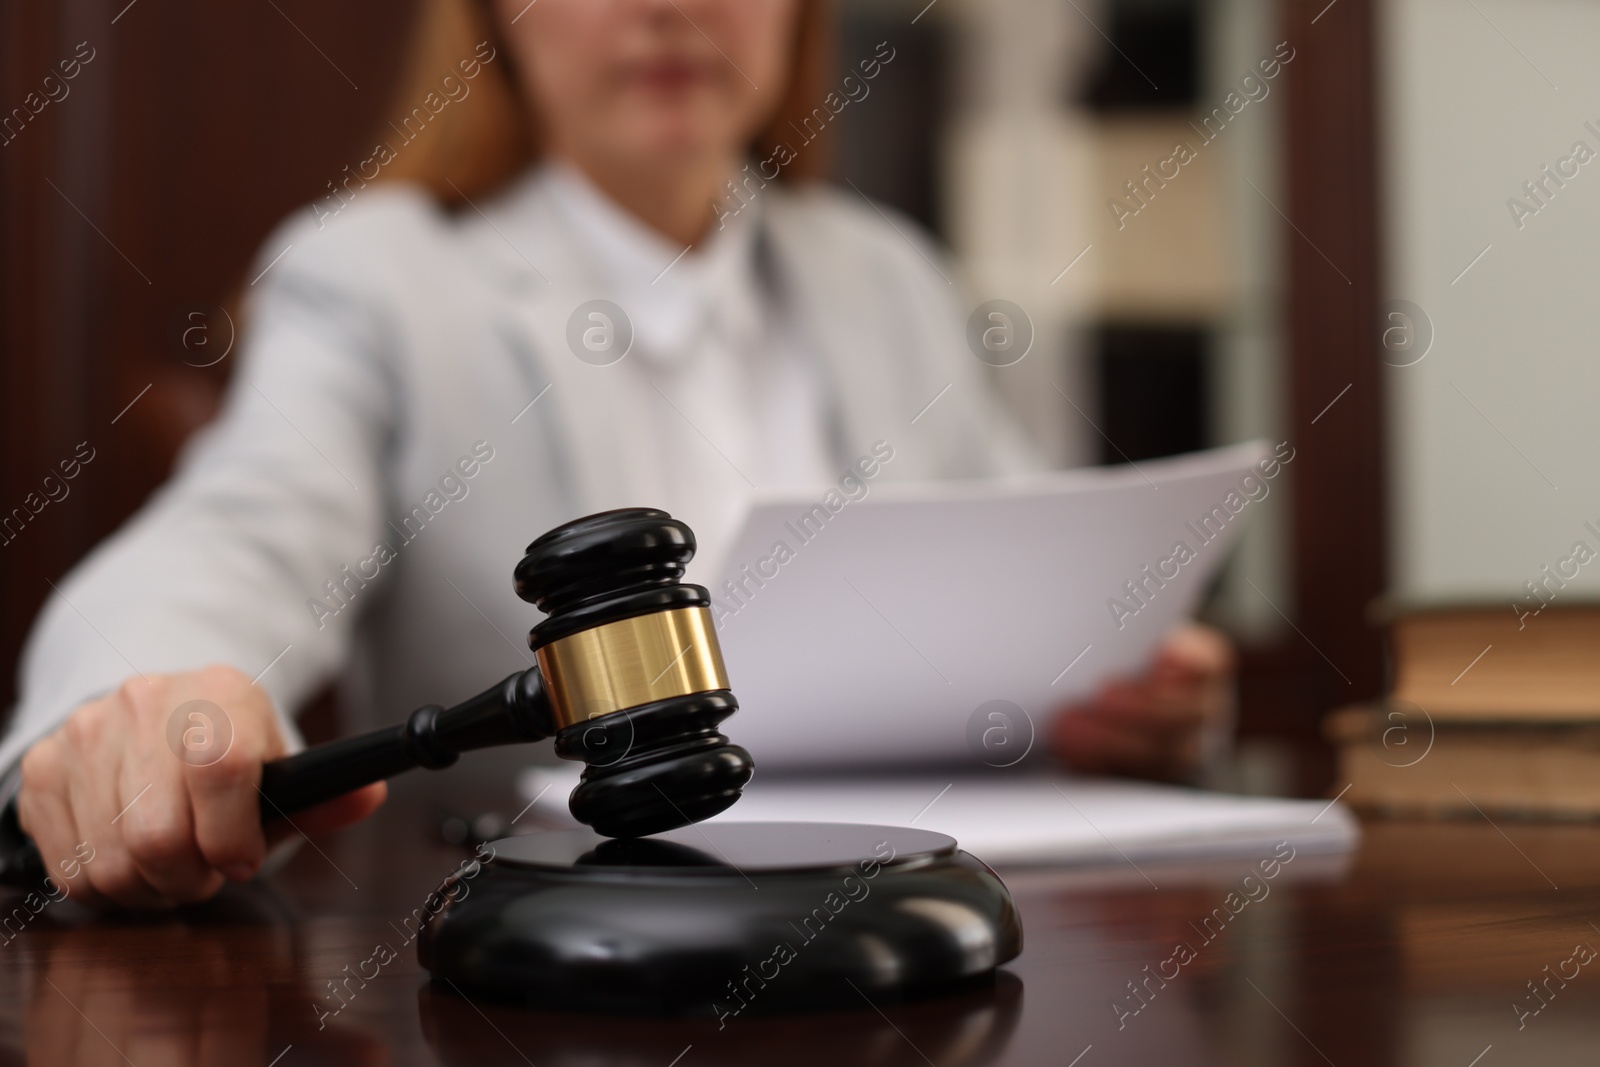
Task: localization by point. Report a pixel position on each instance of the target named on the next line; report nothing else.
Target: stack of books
(1489, 711)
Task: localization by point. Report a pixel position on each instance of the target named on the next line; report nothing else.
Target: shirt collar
(673, 297)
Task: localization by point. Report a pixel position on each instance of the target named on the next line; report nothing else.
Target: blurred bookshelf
(1161, 331)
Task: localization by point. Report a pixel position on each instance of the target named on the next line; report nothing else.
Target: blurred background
(1442, 453)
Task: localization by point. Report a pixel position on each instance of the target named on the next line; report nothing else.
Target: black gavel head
(633, 672)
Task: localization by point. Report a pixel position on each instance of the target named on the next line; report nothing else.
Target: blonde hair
(473, 149)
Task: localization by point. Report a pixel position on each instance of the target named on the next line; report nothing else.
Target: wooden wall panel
(1340, 515)
(194, 129)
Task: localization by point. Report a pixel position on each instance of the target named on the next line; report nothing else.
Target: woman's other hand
(1156, 726)
(148, 797)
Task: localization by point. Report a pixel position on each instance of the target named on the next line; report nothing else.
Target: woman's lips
(669, 75)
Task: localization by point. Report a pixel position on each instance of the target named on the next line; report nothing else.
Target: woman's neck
(675, 201)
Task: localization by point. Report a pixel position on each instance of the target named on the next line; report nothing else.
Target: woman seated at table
(413, 354)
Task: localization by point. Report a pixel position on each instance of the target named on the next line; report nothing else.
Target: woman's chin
(686, 128)
(685, 147)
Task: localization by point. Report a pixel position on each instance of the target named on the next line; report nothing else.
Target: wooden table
(1419, 951)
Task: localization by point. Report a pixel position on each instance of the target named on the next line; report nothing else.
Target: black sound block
(720, 919)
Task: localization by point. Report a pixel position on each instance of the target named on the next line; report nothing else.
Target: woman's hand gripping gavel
(629, 680)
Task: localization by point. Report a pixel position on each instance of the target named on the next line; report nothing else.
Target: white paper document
(877, 629)
(893, 621)
(1018, 818)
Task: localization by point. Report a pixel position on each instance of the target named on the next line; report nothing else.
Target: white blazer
(386, 373)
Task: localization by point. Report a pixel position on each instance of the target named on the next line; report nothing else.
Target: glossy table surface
(1419, 949)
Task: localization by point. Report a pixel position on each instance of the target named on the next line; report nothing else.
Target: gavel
(628, 678)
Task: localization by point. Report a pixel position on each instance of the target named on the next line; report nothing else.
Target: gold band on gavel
(630, 662)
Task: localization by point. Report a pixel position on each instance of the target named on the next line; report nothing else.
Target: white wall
(1481, 502)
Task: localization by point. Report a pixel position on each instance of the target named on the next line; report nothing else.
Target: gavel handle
(516, 710)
